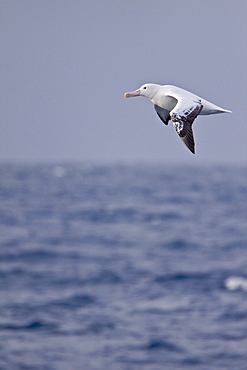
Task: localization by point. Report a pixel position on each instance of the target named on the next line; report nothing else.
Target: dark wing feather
(185, 133)
(163, 114)
(183, 116)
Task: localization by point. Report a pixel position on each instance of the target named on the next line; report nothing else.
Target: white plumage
(179, 105)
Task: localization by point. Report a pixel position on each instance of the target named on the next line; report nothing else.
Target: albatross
(178, 105)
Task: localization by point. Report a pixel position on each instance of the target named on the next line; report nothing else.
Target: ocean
(123, 267)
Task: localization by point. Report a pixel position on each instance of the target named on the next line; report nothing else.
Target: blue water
(123, 267)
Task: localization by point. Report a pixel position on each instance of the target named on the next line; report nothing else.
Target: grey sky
(65, 66)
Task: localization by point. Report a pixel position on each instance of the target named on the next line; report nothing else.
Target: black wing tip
(188, 140)
(191, 147)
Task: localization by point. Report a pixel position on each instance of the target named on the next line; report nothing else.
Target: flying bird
(179, 105)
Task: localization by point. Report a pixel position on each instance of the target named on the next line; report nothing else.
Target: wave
(34, 325)
(236, 283)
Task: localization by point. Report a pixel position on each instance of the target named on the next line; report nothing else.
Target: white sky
(65, 66)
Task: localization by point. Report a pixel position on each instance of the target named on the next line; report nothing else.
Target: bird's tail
(210, 108)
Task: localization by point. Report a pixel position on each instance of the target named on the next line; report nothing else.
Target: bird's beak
(133, 93)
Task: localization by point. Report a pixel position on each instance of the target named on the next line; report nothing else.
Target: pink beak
(133, 93)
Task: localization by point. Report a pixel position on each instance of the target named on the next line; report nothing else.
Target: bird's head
(147, 90)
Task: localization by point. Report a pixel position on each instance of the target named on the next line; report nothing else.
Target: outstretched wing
(183, 116)
(163, 114)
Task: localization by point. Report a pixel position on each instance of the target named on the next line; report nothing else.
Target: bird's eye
(144, 87)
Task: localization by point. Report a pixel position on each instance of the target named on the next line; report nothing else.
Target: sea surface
(123, 267)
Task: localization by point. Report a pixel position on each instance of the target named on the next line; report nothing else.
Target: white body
(169, 95)
(179, 105)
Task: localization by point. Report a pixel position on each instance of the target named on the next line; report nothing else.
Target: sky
(65, 66)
